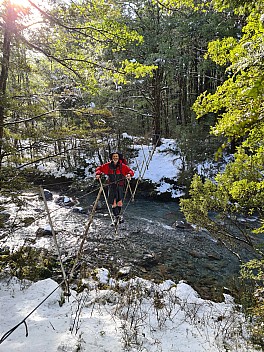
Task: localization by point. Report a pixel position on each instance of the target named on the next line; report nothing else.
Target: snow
(112, 315)
(162, 164)
(138, 314)
(47, 228)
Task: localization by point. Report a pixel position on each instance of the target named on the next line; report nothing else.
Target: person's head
(115, 157)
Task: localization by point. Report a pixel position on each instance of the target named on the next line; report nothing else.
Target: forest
(75, 75)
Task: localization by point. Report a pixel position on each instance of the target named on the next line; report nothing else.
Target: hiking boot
(121, 219)
(117, 220)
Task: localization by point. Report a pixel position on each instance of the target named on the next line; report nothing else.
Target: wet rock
(143, 270)
(211, 267)
(197, 254)
(4, 216)
(79, 210)
(149, 260)
(227, 291)
(214, 256)
(66, 201)
(48, 194)
(125, 271)
(42, 232)
(28, 220)
(182, 225)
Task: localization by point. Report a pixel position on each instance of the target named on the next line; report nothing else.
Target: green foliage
(239, 100)
(207, 198)
(28, 263)
(219, 50)
(13, 181)
(243, 179)
(240, 6)
(131, 68)
(238, 104)
(174, 41)
(254, 270)
(43, 121)
(83, 32)
(176, 4)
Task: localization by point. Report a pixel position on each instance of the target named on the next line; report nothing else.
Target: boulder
(48, 194)
(66, 201)
(182, 225)
(42, 232)
(4, 216)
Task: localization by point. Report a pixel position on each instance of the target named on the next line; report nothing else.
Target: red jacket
(116, 173)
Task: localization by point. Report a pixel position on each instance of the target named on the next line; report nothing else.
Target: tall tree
(8, 26)
(239, 190)
(72, 36)
(239, 104)
(175, 42)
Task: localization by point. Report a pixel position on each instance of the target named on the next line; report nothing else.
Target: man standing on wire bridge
(117, 172)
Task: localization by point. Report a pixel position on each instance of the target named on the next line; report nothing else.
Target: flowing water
(147, 244)
(150, 244)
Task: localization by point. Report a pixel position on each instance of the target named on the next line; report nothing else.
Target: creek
(147, 245)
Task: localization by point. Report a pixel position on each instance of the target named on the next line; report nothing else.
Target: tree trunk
(157, 105)
(8, 26)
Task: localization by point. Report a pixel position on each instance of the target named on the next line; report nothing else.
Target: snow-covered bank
(162, 166)
(159, 166)
(137, 315)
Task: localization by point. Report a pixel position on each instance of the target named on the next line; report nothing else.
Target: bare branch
(79, 30)
(29, 119)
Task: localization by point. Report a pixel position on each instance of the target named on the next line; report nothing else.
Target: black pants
(115, 192)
